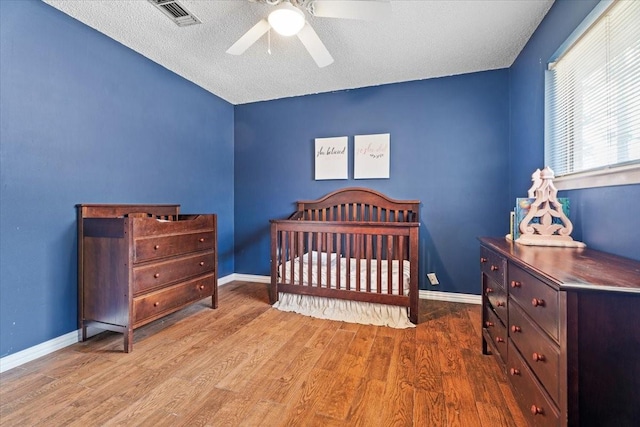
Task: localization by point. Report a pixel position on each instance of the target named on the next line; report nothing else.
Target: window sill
(623, 175)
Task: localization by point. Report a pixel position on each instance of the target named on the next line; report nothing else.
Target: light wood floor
(246, 364)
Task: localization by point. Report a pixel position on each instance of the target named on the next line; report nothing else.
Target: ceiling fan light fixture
(286, 20)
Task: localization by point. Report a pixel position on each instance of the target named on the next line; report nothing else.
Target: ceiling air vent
(176, 12)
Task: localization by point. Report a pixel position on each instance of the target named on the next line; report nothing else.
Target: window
(592, 135)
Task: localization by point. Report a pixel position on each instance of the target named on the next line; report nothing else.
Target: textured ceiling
(419, 40)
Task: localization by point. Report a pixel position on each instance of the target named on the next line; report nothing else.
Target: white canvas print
(332, 158)
(371, 156)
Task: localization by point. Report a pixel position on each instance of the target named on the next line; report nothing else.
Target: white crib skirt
(365, 313)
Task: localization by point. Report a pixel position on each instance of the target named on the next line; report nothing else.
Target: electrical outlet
(433, 279)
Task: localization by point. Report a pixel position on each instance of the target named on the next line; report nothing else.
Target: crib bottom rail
(344, 294)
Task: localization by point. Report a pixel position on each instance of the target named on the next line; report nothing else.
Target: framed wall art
(331, 158)
(371, 156)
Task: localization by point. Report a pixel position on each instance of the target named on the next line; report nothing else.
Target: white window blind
(593, 95)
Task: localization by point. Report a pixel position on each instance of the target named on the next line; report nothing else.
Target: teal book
(523, 204)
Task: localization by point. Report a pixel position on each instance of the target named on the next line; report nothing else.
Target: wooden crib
(353, 244)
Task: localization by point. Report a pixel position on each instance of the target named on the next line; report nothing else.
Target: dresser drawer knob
(515, 328)
(537, 302)
(501, 304)
(514, 371)
(201, 263)
(536, 410)
(201, 287)
(483, 259)
(156, 275)
(537, 357)
(488, 324)
(155, 304)
(494, 268)
(156, 247)
(201, 239)
(515, 284)
(499, 340)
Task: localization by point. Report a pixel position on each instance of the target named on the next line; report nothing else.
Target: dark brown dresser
(564, 323)
(137, 263)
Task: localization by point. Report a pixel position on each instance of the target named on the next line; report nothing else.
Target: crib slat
(300, 253)
(390, 258)
(368, 262)
(291, 256)
(358, 257)
(317, 238)
(329, 239)
(338, 258)
(401, 246)
(379, 264)
(349, 256)
(278, 236)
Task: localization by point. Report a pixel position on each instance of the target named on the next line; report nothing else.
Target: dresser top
(101, 210)
(572, 268)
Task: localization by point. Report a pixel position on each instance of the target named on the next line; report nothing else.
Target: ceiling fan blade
(249, 38)
(368, 10)
(314, 45)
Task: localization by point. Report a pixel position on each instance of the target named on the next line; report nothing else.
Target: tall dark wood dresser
(138, 263)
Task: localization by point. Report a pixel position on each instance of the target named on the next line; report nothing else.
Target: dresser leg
(83, 331)
(128, 341)
(485, 349)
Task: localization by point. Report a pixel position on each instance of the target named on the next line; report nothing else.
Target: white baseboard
(451, 297)
(27, 355)
(251, 278)
(226, 279)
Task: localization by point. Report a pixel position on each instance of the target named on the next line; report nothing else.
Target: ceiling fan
(288, 19)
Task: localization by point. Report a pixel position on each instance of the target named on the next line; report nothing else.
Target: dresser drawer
(498, 299)
(156, 275)
(536, 407)
(159, 303)
(539, 300)
(493, 265)
(151, 248)
(496, 330)
(540, 353)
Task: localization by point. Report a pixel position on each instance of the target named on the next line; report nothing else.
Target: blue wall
(604, 218)
(449, 149)
(85, 120)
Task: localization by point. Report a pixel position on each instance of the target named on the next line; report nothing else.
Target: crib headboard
(358, 204)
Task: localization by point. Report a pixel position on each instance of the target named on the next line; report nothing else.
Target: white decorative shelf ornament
(546, 207)
(537, 181)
